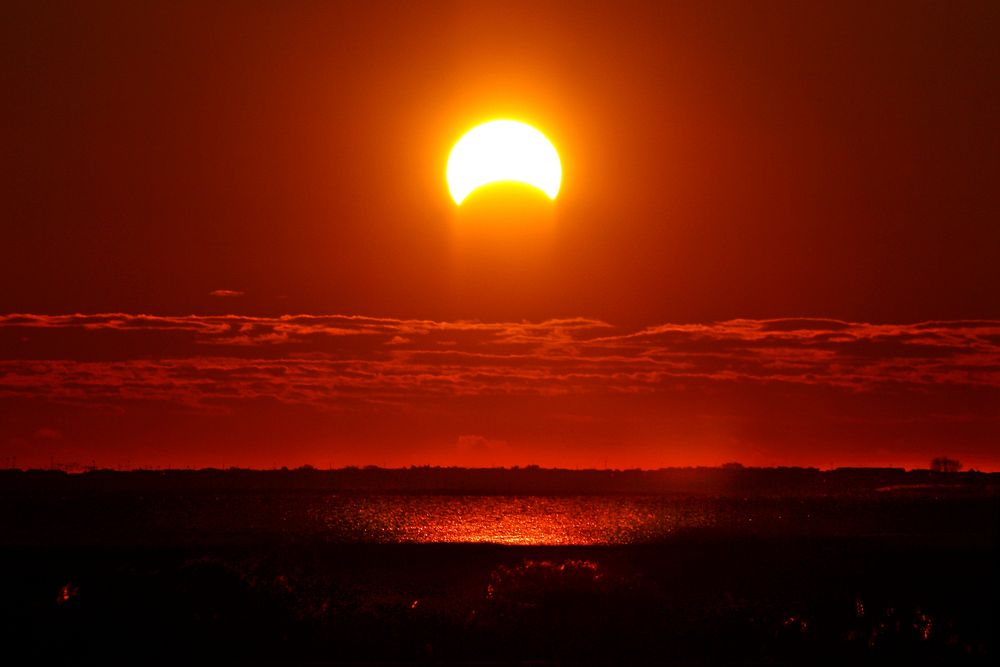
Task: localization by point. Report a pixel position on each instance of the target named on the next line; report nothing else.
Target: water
(552, 520)
(178, 518)
(524, 520)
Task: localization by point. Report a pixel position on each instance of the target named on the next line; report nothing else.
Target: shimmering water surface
(532, 520)
(515, 520)
(180, 518)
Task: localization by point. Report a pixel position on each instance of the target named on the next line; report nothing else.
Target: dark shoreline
(691, 600)
(730, 480)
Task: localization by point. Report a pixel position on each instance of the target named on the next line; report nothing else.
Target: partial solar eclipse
(503, 151)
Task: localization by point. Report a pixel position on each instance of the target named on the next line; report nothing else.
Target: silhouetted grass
(690, 601)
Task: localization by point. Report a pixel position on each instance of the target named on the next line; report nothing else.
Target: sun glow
(503, 150)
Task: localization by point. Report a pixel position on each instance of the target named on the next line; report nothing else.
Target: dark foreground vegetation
(916, 582)
(702, 601)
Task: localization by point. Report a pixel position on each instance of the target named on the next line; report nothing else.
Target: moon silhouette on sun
(503, 150)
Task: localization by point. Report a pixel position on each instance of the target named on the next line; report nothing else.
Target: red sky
(227, 239)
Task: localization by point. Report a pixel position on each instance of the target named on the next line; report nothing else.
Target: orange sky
(776, 241)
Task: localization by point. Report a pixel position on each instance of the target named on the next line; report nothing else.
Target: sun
(503, 150)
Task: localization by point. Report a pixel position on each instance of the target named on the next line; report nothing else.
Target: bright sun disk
(503, 150)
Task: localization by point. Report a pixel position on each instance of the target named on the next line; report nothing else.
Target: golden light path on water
(524, 520)
(530, 522)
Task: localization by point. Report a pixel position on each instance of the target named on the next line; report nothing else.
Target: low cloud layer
(325, 361)
(348, 389)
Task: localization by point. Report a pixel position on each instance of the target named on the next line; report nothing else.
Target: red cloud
(575, 388)
(327, 360)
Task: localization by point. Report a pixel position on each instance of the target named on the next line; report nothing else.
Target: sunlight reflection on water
(585, 520)
(233, 518)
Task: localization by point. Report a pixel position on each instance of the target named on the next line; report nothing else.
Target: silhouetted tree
(944, 464)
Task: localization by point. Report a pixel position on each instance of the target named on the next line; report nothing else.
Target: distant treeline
(730, 480)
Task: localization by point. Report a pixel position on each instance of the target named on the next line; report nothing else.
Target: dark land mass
(732, 480)
(876, 567)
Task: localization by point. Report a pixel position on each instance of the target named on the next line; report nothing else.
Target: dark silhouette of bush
(944, 464)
